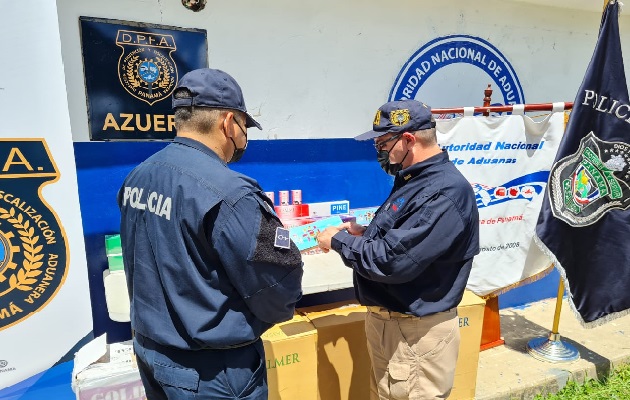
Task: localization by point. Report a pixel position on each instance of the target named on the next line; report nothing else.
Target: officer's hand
(353, 228)
(324, 238)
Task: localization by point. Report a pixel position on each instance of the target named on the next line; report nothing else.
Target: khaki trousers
(412, 358)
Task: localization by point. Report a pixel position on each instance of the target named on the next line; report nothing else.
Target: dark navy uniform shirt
(199, 254)
(415, 256)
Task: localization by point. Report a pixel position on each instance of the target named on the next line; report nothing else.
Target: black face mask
(238, 153)
(383, 159)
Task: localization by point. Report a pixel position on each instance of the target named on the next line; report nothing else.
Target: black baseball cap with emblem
(215, 89)
(398, 117)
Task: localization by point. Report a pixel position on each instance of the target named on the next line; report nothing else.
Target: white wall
(52, 319)
(320, 69)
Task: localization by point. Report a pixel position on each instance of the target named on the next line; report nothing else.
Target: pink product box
(305, 236)
(292, 211)
(132, 389)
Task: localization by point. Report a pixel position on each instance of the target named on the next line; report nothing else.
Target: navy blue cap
(213, 88)
(398, 117)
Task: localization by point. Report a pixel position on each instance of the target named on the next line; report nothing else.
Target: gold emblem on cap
(399, 117)
(377, 118)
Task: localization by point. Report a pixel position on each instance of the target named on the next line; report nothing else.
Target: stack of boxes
(106, 371)
(323, 351)
(306, 220)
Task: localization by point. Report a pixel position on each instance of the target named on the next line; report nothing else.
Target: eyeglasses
(379, 146)
(239, 125)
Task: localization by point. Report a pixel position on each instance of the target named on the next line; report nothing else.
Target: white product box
(328, 208)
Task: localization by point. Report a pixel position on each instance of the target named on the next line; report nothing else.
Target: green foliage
(615, 387)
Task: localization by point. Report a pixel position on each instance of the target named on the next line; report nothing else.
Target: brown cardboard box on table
(343, 364)
(291, 358)
(470, 311)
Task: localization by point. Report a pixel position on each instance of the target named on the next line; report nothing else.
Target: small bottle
(271, 197)
(283, 197)
(296, 196)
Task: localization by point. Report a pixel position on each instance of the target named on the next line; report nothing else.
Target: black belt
(232, 346)
(228, 347)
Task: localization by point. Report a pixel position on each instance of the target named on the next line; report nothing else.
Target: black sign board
(131, 70)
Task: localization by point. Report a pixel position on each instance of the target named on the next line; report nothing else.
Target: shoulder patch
(282, 238)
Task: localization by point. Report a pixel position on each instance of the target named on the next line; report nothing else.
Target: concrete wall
(320, 69)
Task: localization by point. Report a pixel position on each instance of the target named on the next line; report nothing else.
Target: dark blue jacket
(198, 248)
(415, 256)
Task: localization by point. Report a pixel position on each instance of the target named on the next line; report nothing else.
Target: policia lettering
(155, 202)
(33, 246)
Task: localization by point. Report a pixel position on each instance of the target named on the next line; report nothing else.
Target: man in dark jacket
(412, 262)
(208, 269)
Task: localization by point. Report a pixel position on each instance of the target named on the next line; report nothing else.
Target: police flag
(584, 223)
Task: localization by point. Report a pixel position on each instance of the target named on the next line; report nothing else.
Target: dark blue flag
(584, 224)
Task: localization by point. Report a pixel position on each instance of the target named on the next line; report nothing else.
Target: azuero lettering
(139, 122)
(155, 202)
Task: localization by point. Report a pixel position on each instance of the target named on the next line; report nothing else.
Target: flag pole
(552, 348)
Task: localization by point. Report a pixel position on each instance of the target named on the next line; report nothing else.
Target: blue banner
(584, 223)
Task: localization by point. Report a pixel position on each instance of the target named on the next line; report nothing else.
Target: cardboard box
(470, 311)
(291, 357)
(106, 371)
(343, 363)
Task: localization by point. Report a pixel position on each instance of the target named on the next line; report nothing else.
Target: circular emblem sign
(460, 67)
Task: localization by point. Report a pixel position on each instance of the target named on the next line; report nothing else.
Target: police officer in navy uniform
(412, 262)
(207, 262)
